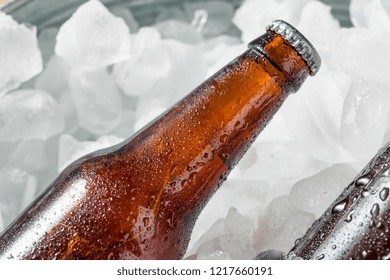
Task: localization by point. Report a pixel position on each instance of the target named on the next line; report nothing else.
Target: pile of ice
(104, 77)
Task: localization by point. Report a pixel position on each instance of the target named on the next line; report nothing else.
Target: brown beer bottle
(357, 224)
(141, 198)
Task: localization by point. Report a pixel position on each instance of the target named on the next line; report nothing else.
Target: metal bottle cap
(299, 42)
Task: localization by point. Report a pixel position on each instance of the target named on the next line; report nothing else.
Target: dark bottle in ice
(357, 224)
(140, 199)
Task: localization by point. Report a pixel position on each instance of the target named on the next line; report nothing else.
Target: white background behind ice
(93, 94)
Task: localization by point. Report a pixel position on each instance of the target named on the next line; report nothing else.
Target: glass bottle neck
(284, 57)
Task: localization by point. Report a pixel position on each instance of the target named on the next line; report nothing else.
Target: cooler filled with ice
(89, 77)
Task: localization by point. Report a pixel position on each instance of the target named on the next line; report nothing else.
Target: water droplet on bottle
(350, 216)
(384, 194)
(185, 183)
(362, 181)
(10, 257)
(365, 193)
(223, 138)
(364, 254)
(225, 156)
(320, 257)
(189, 168)
(334, 247)
(145, 221)
(375, 210)
(340, 206)
(386, 257)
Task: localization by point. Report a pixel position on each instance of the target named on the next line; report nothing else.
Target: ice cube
(316, 193)
(280, 161)
(219, 51)
(364, 119)
(98, 102)
(93, 38)
(322, 37)
(187, 71)
(69, 111)
(222, 55)
(149, 62)
(29, 114)
(47, 42)
(127, 16)
(362, 54)
(276, 130)
(253, 15)
(17, 190)
(314, 118)
(20, 58)
(229, 238)
(386, 5)
(30, 155)
(281, 225)
(212, 250)
(246, 195)
(218, 19)
(55, 77)
(210, 46)
(71, 149)
(178, 30)
(126, 126)
(373, 14)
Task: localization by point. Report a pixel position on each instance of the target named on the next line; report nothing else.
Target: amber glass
(357, 225)
(141, 198)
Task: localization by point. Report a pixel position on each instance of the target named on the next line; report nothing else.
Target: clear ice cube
(313, 116)
(149, 62)
(229, 238)
(240, 193)
(361, 53)
(55, 77)
(93, 38)
(30, 155)
(17, 190)
(29, 114)
(253, 15)
(20, 57)
(98, 101)
(281, 225)
(364, 119)
(373, 14)
(314, 194)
